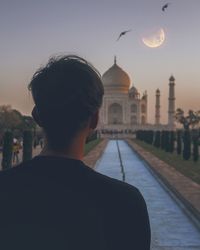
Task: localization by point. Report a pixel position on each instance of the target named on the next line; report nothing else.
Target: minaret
(171, 109)
(146, 100)
(115, 60)
(157, 113)
(145, 103)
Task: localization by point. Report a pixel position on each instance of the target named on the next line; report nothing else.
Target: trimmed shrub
(7, 150)
(27, 145)
(157, 141)
(167, 141)
(187, 145)
(144, 135)
(163, 139)
(140, 135)
(171, 141)
(151, 136)
(195, 149)
(179, 142)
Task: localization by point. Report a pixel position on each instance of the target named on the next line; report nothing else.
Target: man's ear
(94, 120)
(36, 117)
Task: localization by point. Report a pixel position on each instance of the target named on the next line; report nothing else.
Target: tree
(195, 149)
(163, 139)
(27, 145)
(187, 145)
(190, 120)
(7, 150)
(171, 141)
(28, 123)
(9, 118)
(179, 142)
(157, 140)
(149, 136)
(167, 141)
(13, 120)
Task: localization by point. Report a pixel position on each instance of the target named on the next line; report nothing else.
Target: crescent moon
(155, 40)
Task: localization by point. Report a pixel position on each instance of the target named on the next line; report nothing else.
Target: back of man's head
(66, 92)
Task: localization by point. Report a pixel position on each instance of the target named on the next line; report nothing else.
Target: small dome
(133, 93)
(116, 79)
(133, 90)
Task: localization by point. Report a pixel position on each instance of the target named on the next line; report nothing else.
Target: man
(16, 148)
(55, 201)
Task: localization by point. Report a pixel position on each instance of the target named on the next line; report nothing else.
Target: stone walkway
(91, 158)
(171, 228)
(186, 190)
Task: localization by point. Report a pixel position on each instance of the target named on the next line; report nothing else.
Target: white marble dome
(115, 79)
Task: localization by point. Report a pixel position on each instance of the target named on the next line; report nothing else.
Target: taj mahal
(124, 109)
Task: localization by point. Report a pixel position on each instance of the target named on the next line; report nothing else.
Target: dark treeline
(182, 142)
(12, 120)
(17, 131)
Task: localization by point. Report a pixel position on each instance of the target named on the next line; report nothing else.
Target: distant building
(123, 108)
(171, 104)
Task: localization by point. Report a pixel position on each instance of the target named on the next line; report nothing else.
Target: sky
(32, 31)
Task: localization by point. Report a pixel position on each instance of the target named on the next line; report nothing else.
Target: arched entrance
(134, 120)
(115, 114)
(134, 108)
(143, 120)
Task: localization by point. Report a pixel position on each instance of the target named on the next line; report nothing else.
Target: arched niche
(134, 108)
(143, 108)
(143, 120)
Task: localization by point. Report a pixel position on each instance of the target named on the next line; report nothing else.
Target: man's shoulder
(112, 183)
(124, 207)
(71, 173)
(114, 189)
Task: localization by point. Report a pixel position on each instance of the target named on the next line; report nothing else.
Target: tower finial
(115, 60)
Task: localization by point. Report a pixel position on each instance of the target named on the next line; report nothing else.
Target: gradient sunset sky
(32, 31)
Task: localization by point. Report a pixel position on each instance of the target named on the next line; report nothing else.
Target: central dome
(115, 79)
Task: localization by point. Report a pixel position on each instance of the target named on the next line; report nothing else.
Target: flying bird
(123, 33)
(165, 6)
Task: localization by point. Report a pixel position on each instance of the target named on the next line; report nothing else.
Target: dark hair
(66, 92)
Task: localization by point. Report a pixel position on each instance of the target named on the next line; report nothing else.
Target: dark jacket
(59, 203)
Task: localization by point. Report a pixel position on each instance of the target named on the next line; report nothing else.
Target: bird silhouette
(165, 6)
(122, 34)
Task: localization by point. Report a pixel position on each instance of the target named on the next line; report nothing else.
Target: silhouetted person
(41, 143)
(16, 147)
(55, 201)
